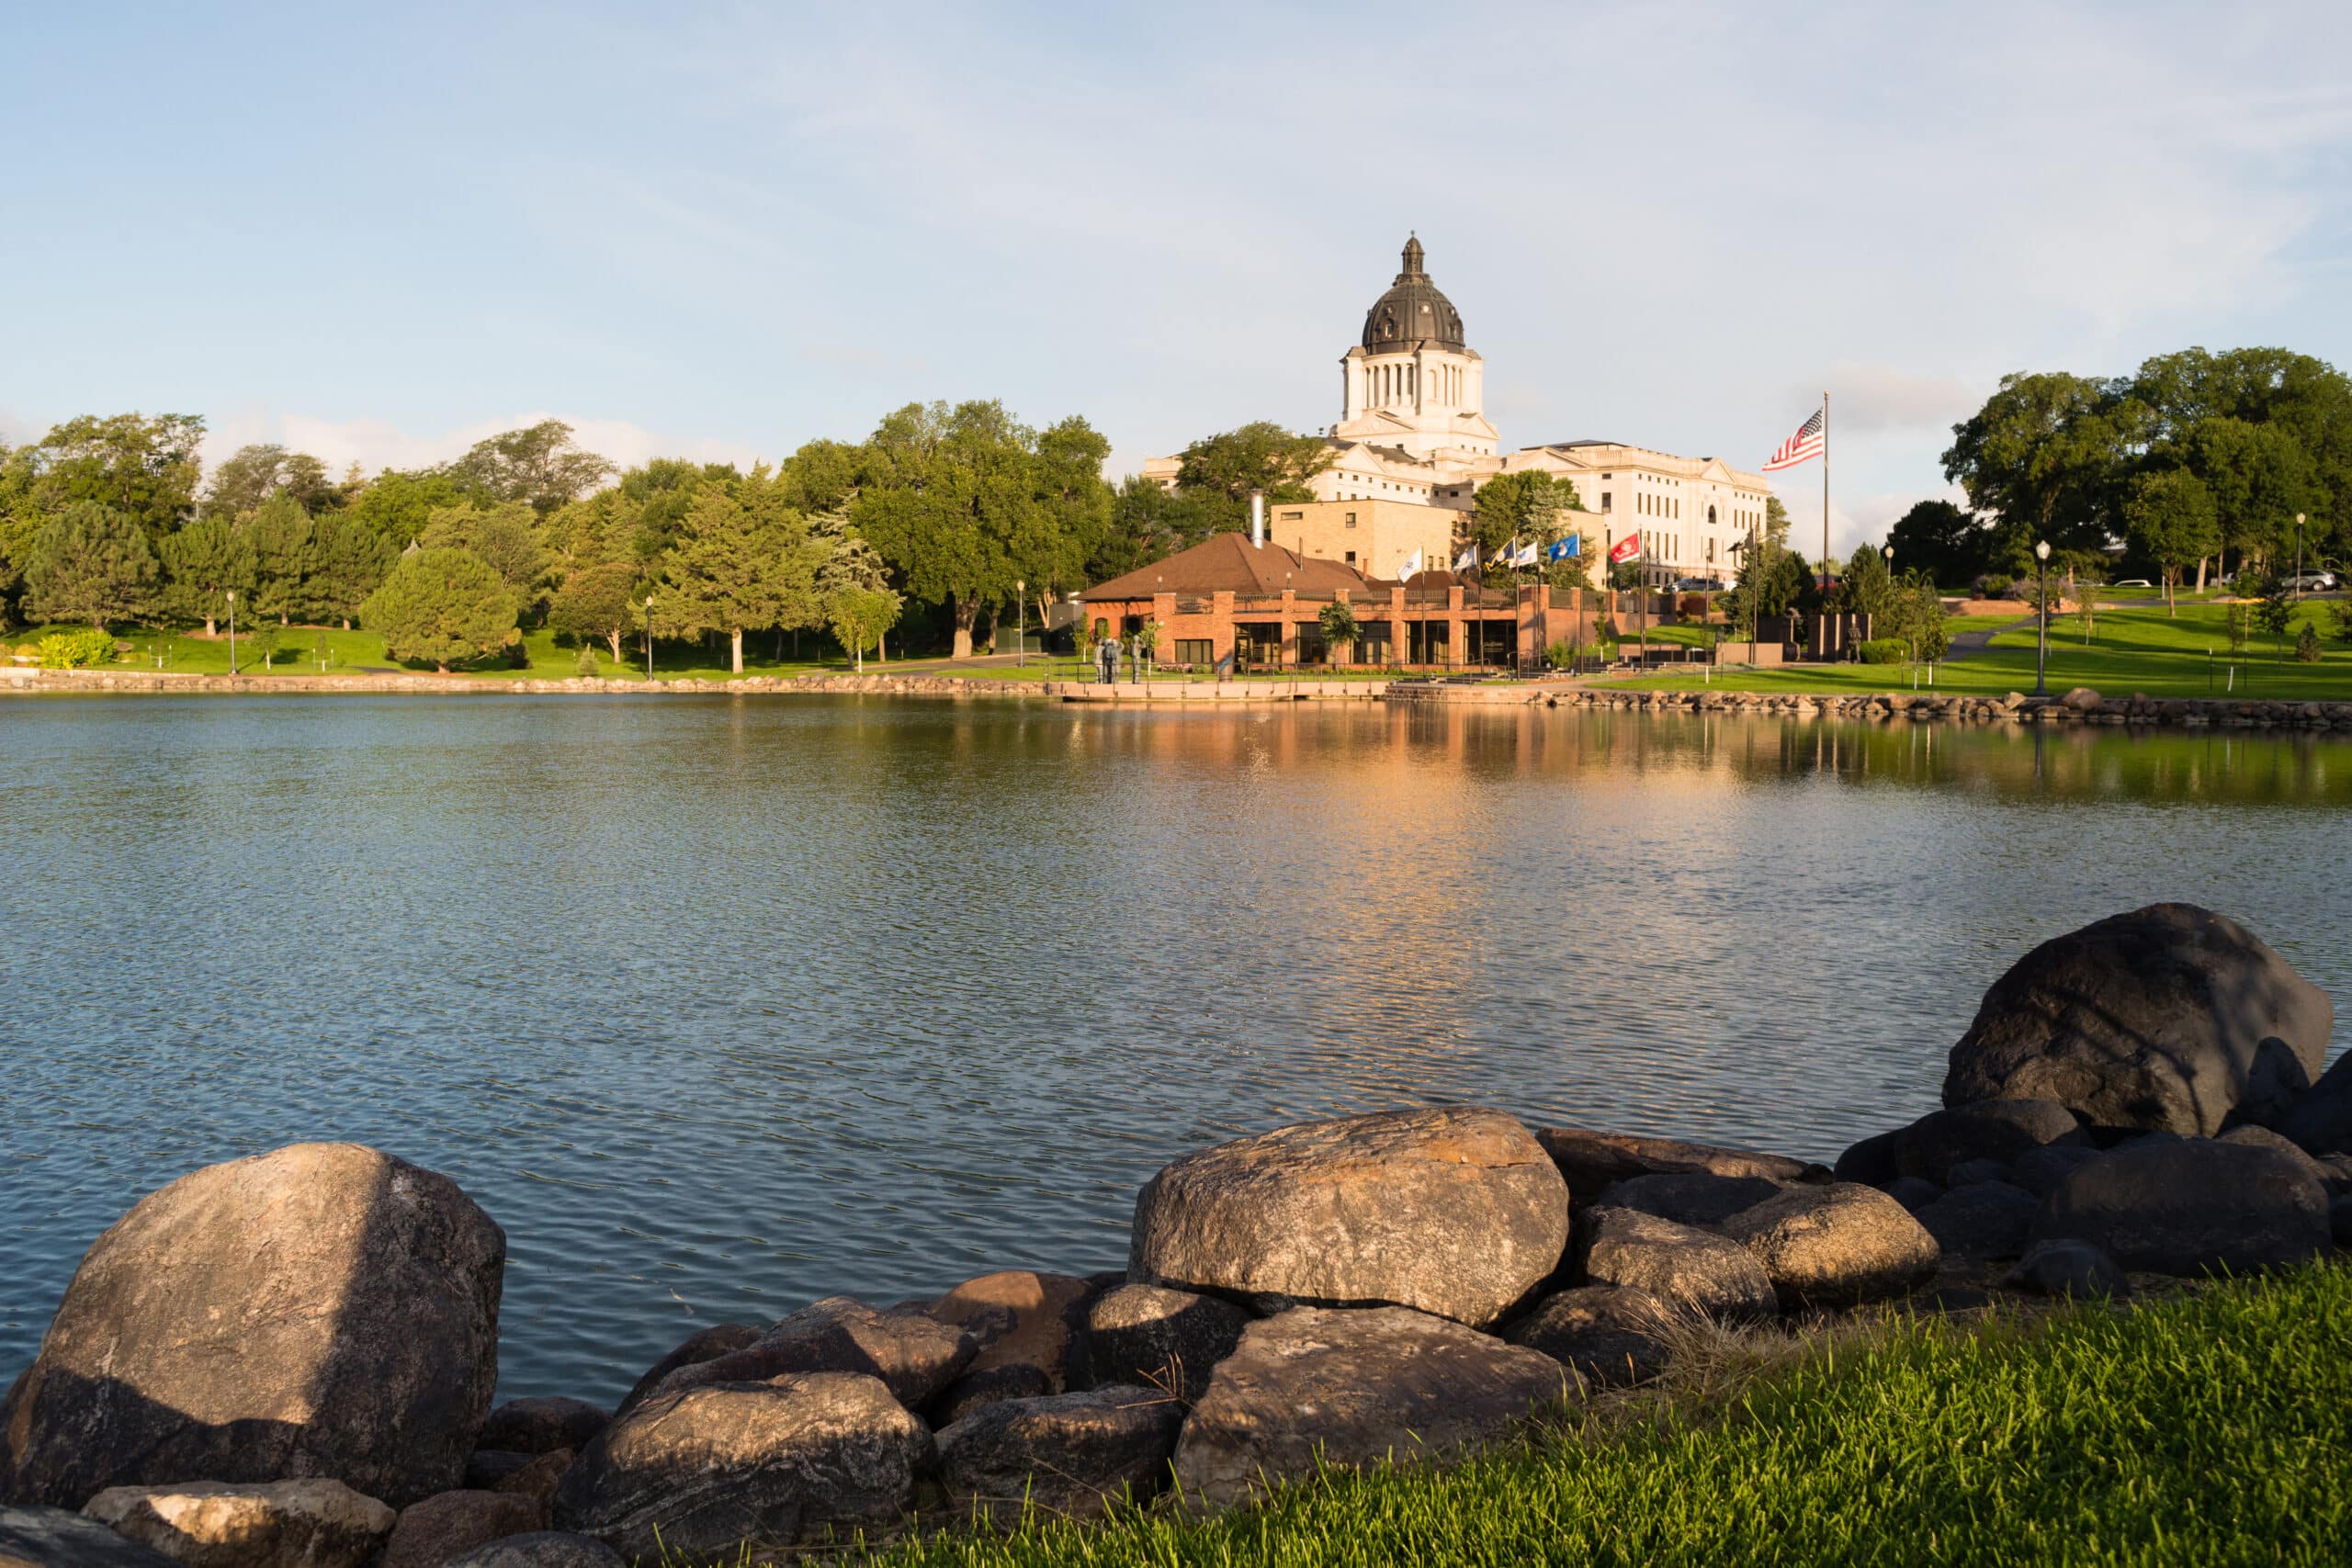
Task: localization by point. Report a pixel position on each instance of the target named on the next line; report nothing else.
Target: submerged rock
(325, 1310)
(2167, 1018)
(1352, 1388)
(1455, 1211)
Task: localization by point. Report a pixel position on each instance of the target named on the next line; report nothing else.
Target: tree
(397, 504)
(350, 560)
(860, 617)
(251, 475)
(203, 563)
(2170, 519)
(1917, 613)
(2044, 455)
(1867, 587)
(2258, 476)
(823, 476)
(597, 602)
(1941, 539)
(442, 605)
(540, 465)
(144, 468)
(950, 502)
(1149, 524)
(1525, 506)
(506, 535)
(1076, 505)
(90, 563)
(285, 543)
(1227, 467)
(1340, 627)
(743, 562)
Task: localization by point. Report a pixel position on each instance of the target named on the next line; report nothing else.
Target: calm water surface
(720, 1005)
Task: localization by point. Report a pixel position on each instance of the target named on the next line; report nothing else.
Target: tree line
(2197, 461)
(950, 511)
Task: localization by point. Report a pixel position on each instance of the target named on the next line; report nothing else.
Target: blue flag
(1568, 548)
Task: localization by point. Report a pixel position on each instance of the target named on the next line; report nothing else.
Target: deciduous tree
(539, 464)
(950, 502)
(597, 602)
(398, 504)
(251, 475)
(505, 534)
(144, 468)
(2170, 519)
(1943, 539)
(860, 617)
(442, 605)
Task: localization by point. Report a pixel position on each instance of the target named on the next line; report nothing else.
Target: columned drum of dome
(1412, 387)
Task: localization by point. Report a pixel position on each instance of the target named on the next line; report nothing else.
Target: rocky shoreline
(163, 683)
(2082, 705)
(289, 1359)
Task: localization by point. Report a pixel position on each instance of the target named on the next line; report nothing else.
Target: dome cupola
(1412, 312)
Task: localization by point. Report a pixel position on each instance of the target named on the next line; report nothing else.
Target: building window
(1195, 651)
(1605, 497)
(1352, 519)
(1293, 516)
(1352, 558)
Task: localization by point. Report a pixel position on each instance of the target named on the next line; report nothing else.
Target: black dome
(1411, 312)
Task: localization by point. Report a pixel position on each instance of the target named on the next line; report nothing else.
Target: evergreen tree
(743, 562)
(90, 563)
(505, 534)
(350, 561)
(445, 605)
(285, 543)
(203, 563)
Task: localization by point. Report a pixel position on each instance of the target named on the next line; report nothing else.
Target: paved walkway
(1968, 644)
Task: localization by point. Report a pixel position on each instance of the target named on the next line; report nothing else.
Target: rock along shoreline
(290, 1358)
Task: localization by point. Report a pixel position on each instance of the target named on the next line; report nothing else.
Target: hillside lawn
(2140, 648)
(2203, 1427)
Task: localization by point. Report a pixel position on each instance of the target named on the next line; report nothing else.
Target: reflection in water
(721, 1005)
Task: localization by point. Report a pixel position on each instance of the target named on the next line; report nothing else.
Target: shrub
(442, 606)
(75, 650)
(1884, 650)
(1561, 655)
(2307, 644)
(586, 663)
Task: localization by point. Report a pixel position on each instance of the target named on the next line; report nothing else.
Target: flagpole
(1825, 501)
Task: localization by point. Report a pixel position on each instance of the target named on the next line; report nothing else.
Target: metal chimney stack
(1258, 518)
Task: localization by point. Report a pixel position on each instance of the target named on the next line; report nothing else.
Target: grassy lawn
(2206, 1428)
(2136, 649)
(301, 648)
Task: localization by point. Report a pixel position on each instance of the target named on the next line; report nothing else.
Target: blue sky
(379, 232)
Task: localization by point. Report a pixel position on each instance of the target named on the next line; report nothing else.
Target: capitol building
(1413, 445)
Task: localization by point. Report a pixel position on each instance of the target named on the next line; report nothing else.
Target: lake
(718, 1005)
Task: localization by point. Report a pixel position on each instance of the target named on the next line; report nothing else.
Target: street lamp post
(2298, 557)
(1020, 623)
(2042, 641)
(649, 637)
(233, 631)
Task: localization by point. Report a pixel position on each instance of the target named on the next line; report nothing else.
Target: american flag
(1805, 444)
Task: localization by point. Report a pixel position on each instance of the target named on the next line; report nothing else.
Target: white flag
(1466, 559)
(1525, 555)
(1411, 567)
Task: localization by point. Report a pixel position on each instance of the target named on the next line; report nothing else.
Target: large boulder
(2169, 1017)
(59, 1538)
(1607, 1333)
(702, 1344)
(2321, 1121)
(1589, 1161)
(1680, 1264)
(1998, 1129)
(540, 1548)
(2190, 1207)
(1691, 1198)
(1029, 1329)
(1455, 1211)
(214, 1524)
(1156, 1337)
(914, 1356)
(1071, 1454)
(447, 1523)
(777, 1463)
(321, 1311)
(2040, 1170)
(2073, 1269)
(1836, 1246)
(1315, 1386)
(1989, 1220)
(1870, 1161)
(541, 1426)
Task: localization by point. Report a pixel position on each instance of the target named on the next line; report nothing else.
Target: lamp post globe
(649, 637)
(2299, 555)
(2041, 605)
(233, 631)
(1020, 622)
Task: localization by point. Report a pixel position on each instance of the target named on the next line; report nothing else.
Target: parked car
(2311, 583)
(2134, 582)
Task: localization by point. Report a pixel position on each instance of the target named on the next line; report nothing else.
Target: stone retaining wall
(2081, 706)
(1164, 692)
(163, 682)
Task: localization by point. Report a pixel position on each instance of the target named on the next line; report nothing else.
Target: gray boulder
(2169, 1017)
(1455, 1211)
(1913, 1193)
(59, 1538)
(2039, 1171)
(542, 1426)
(540, 1548)
(1975, 1172)
(1070, 1454)
(485, 1468)
(914, 1356)
(1590, 1161)
(2321, 1121)
(214, 1524)
(2192, 1207)
(777, 1463)
(2264, 1138)
(702, 1344)
(443, 1526)
(1870, 1161)
(321, 1311)
(1836, 1246)
(1154, 1337)
(1988, 1220)
(1996, 1130)
(1680, 1264)
(2073, 1269)
(1689, 1198)
(1609, 1335)
(1315, 1385)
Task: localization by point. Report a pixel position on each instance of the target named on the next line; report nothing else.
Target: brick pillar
(1396, 623)
(1290, 627)
(1221, 625)
(1453, 624)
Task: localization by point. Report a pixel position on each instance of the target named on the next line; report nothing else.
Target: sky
(380, 234)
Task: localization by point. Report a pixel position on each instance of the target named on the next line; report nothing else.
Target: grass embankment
(301, 651)
(2137, 650)
(2206, 1427)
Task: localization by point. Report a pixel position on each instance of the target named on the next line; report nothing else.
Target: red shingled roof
(1229, 562)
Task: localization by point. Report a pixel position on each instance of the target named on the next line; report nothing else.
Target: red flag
(1625, 549)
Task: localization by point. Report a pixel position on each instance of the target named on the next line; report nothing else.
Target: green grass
(300, 649)
(2206, 1428)
(2136, 649)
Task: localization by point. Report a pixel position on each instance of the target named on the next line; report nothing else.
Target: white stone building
(1413, 430)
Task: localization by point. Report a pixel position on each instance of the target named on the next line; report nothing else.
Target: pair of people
(1106, 660)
